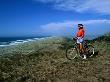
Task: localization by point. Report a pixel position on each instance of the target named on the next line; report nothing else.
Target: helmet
(80, 25)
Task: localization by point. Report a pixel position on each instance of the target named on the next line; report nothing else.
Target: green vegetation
(48, 63)
(105, 38)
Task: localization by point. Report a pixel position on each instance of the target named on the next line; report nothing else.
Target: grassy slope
(50, 65)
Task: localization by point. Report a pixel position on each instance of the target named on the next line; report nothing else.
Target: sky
(53, 17)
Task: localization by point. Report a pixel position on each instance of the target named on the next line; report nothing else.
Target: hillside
(49, 64)
(105, 37)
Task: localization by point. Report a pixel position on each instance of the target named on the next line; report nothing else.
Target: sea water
(9, 41)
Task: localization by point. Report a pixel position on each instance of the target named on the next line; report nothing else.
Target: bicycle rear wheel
(90, 50)
(71, 53)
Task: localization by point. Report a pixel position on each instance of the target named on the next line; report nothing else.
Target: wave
(17, 42)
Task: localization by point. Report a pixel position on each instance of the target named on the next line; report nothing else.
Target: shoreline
(30, 46)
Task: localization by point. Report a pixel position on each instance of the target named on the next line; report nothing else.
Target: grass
(49, 64)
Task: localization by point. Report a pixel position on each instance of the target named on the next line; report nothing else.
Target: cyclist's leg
(81, 45)
(81, 48)
(78, 45)
(84, 51)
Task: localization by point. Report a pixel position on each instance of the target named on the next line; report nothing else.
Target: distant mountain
(105, 37)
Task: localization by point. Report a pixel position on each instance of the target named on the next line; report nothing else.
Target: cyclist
(80, 39)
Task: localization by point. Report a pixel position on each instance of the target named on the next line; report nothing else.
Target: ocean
(8, 41)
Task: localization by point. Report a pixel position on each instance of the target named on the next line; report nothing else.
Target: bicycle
(73, 51)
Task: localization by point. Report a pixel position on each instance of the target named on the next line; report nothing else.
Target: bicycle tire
(71, 53)
(90, 50)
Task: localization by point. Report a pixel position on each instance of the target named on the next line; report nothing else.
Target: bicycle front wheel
(71, 53)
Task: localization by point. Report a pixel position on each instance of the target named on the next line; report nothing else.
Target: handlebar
(75, 38)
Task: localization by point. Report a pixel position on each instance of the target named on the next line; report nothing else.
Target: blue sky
(53, 17)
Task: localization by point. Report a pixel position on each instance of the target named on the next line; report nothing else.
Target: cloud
(56, 28)
(97, 6)
(67, 27)
(61, 25)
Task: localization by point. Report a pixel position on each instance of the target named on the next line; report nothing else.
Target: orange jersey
(80, 33)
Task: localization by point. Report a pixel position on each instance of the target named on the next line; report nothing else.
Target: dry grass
(51, 65)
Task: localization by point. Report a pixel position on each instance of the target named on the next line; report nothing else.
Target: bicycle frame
(73, 51)
(78, 45)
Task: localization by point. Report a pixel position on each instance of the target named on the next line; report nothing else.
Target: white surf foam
(17, 42)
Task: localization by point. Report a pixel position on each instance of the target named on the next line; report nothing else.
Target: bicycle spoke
(71, 53)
